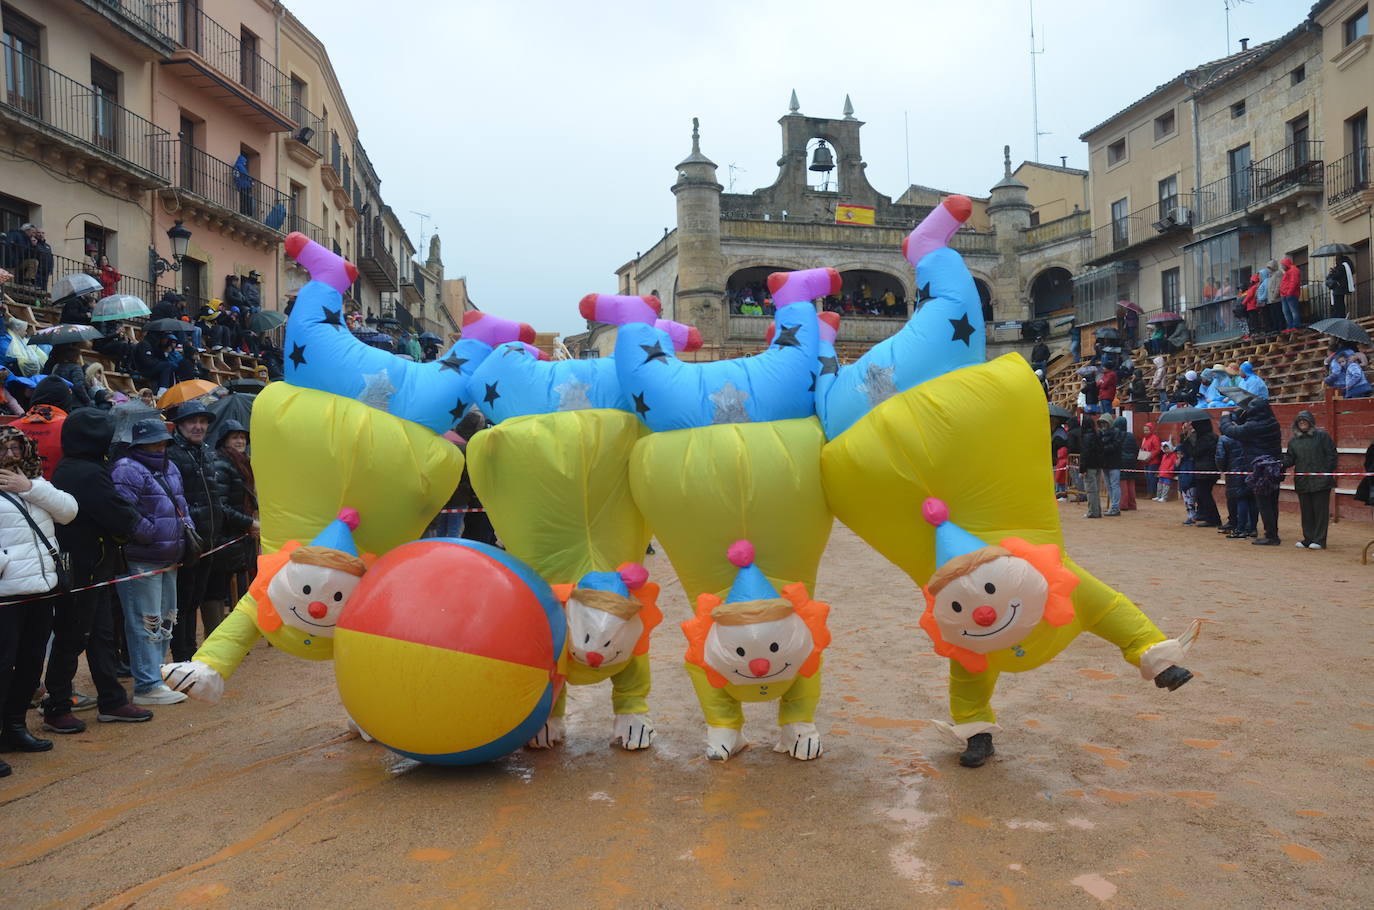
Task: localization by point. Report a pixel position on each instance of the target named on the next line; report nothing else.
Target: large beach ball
(448, 652)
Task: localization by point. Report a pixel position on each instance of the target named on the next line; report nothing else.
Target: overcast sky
(541, 136)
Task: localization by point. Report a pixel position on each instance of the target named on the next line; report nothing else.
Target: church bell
(821, 159)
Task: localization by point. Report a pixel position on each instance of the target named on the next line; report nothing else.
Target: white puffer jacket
(25, 566)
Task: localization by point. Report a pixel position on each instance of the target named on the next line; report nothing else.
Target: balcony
(104, 141)
(219, 63)
(858, 329)
(1070, 227)
(150, 24)
(309, 229)
(376, 263)
(211, 190)
(310, 153)
(1349, 188)
(332, 164)
(841, 236)
(411, 295)
(1162, 220)
(1267, 184)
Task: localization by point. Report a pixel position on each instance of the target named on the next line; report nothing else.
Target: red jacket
(1249, 299)
(1061, 466)
(43, 424)
(1292, 279)
(1150, 443)
(109, 279)
(1167, 465)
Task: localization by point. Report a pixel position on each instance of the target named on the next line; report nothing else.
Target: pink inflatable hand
(685, 337)
(620, 309)
(936, 229)
(807, 284)
(322, 263)
(634, 575)
(494, 330)
(829, 325)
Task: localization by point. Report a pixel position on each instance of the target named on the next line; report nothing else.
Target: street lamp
(180, 239)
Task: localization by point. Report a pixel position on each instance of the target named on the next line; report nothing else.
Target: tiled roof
(1051, 167)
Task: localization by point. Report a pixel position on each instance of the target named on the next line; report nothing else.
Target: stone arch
(984, 288)
(1049, 291)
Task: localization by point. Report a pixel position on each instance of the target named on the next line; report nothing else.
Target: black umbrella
(1240, 396)
(1160, 318)
(1059, 411)
(166, 325)
(1333, 249)
(1343, 329)
(64, 334)
(430, 337)
(266, 320)
(237, 406)
(1184, 415)
(246, 386)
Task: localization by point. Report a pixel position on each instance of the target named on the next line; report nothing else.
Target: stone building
(1022, 243)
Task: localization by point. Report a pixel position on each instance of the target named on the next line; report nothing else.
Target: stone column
(699, 299)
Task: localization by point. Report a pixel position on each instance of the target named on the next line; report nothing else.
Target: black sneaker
(125, 713)
(979, 750)
(1173, 677)
(1265, 542)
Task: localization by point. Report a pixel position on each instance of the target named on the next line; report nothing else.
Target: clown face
(759, 652)
(598, 638)
(995, 606)
(310, 598)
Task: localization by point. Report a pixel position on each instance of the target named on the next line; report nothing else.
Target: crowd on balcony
(26, 254)
(755, 300)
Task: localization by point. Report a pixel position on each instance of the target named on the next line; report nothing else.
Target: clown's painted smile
(767, 676)
(318, 625)
(1014, 605)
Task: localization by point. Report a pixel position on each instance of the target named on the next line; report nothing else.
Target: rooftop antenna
(735, 169)
(906, 130)
(1229, 5)
(424, 218)
(1035, 93)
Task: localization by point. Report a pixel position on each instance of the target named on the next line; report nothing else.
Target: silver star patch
(572, 395)
(729, 402)
(878, 384)
(377, 391)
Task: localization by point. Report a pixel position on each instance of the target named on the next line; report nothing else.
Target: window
(1168, 195)
(1357, 26)
(1116, 152)
(22, 61)
(1238, 167)
(99, 241)
(1297, 139)
(248, 60)
(250, 203)
(1357, 141)
(296, 201)
(190, 165)
(190, 24)
(105, 104)
(1120, 232)
(1165, 125)
(1299, 74)
(1238, 109)
(13, 212)
(298, 105)
(1169, 288)
(193, 278)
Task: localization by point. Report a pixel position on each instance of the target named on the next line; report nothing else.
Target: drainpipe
(1197, 140)
(281, 143)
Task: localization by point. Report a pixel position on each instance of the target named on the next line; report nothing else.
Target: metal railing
(156, 16)
(304, 118)
(375, 259)
(1348, 176)
(221, 185)
(1173, 213)
(335, 151)
(309, 229)
(1059, 229)
(227, 53)
(79, 112)
(1299, 164)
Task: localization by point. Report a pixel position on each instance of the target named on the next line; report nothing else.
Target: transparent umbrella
(73, 285)
(118, 306)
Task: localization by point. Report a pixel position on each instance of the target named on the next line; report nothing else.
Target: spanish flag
(854, 214)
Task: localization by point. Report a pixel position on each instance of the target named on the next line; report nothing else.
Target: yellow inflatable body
(704, 488)
(976, 438)
(315, 453)
(556, 487)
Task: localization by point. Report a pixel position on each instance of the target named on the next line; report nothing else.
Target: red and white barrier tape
(137, 575)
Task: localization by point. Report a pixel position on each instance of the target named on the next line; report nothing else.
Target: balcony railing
(78, 112)
(218, 183)
(305, 119)
(149, 19)
(1348, 176)
(1059, 229)
(226, 52)
(376, 262)
(1299, 164)
(309, 229)
(1163, 217)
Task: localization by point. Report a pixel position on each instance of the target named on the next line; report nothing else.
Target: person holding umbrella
(1199, 449)
(1254, 426)
(1340, 281)
(64, 362)
(1347, 376)
(108, 277)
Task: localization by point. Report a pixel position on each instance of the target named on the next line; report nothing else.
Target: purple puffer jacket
(157, 539)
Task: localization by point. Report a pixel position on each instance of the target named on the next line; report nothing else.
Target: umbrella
(231, 407)
(73, 285)
(64, 334)
(166, 325)
(1107, 333)
(1240, 396)
(1059, 411)
(1165, 317)
(1343, 329)
(1333, 249)
(1184, 415)
(266, 320)
(1128, 305)
(185, 391)
(431, 338)
(247, 386)
(118, 306)
(128, 414)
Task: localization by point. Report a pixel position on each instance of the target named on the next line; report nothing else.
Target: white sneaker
(1300, 545)
(1315, 546)
(160, 696)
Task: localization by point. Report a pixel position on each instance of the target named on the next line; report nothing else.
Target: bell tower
(700, 293)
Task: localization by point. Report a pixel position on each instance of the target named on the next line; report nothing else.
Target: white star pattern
(729, 402)
(377, 391)
(572, 395)
(878, 384)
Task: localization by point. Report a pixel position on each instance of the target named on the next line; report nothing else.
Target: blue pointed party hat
(750, 583)
(604, 581)
(950, 539)
(338, 534)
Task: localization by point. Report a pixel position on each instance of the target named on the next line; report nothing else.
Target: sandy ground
(1253, 786)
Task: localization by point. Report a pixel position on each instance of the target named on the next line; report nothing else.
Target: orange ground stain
(430, 855)
(835, 731)
(1148, 716)
(1116, 764)
(1310, 813)
(1301, 854)
(1100, 750)
(887, 723)
(1229, 867)
(1203, 799)
(1076, 794)
(1116, 796)
(201, 894)
(976, 822)
(850, 697)
(1230, 720)
(1359, 726)
(1089, 673)
(1031, 723)
(1202, 743)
